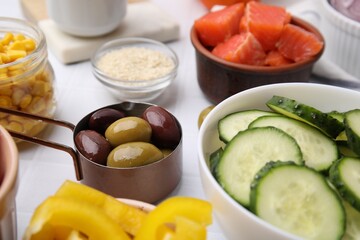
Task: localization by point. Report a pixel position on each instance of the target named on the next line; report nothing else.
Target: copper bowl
(220, 79)
(148, 183)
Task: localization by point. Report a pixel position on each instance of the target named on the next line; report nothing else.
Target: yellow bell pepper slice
(188, 229)
(197, 210)
(80, 216)
(49, 231)
(128, 217)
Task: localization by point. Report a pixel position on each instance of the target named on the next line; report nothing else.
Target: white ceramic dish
(342, 37)
(236, 221)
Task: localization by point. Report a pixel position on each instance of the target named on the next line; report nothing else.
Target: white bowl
(236, 221)
(342, 36)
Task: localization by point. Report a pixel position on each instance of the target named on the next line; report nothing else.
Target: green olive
(134, 154)
(166, 151)
(128, 129)
(203, 114)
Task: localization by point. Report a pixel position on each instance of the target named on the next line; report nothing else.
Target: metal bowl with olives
(115, 139)
(127, 150)
(130, 150)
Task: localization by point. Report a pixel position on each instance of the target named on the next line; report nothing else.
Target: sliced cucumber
(345, 150)
(247, 152)
(340, 116)
(345, 175)
(352, 129)
(233, 123)
(214, 160)
(352, 223)
(291, 108)
(319, 151)
(299, 200)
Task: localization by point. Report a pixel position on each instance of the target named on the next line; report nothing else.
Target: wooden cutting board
(143, 19)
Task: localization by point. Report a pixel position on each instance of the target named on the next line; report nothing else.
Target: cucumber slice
(340, 116)
(345, 175)
(233, 123)
(247, 152)
(352, 129)
(344, 149)
(352, 223)
(291, 108)
(319, 151)
(214, 160)
(299, 200)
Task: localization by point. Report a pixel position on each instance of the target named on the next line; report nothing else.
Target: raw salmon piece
(275, 58)
(242, 48)
(298, 44)
(216, 27)
(243, 27)
(265, 22)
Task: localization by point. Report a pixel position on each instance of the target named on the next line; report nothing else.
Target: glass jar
(26, 83)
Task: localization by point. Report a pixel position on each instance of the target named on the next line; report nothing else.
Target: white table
(43, 170)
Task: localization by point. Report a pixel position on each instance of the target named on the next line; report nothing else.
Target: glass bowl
(135, 69)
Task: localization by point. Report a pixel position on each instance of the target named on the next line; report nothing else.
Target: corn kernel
(36, 129)
(37, 105)
(17, 95)
(15, 72)
(5, 58)
(16, 66)
(6, 90)
(7, 38)
(15, 126)
(28, 124)
(5, 101)
(40, 88)
(19, 37)
(17, 45)
(29, 44)
(25, 101)
(3, 69)
(16, 54)
(3, 76)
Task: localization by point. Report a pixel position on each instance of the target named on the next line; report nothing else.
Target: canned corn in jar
(26, 76)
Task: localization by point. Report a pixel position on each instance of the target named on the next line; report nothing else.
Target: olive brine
(116, 140)
(294, 166)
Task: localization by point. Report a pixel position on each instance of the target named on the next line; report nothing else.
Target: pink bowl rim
(9, 182)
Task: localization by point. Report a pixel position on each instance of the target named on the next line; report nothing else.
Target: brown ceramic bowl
(220, 79)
